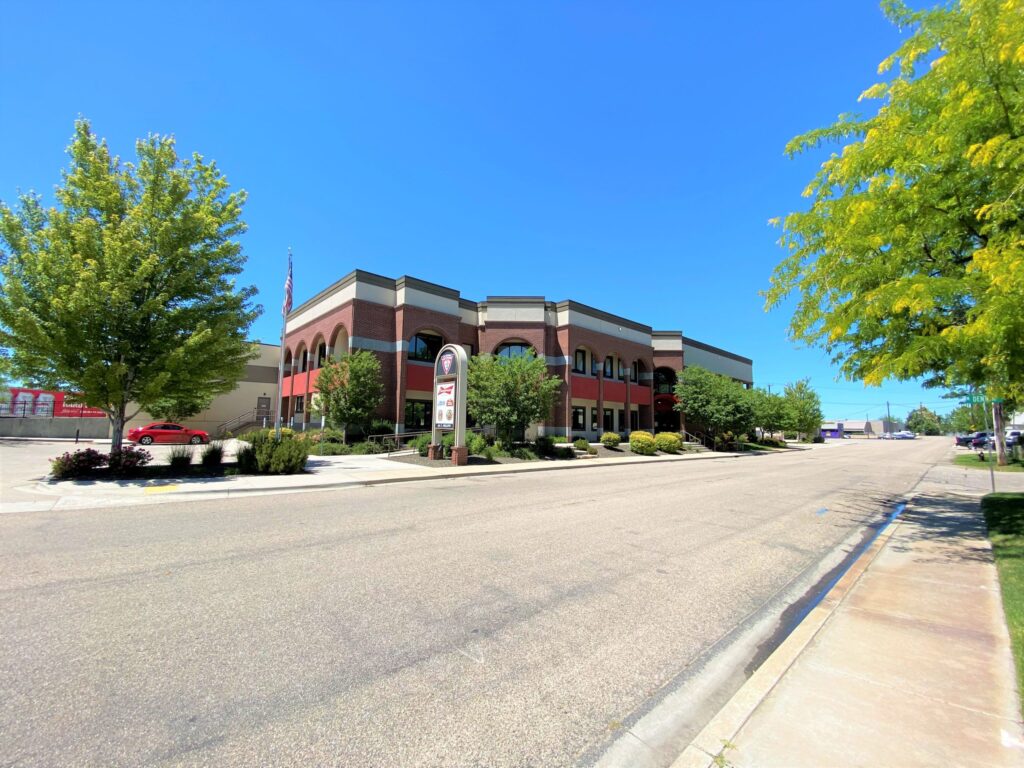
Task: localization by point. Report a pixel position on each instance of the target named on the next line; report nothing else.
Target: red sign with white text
(40, 402)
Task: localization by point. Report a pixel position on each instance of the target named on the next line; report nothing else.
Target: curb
(44, 488)
(706, 746)
(449, 475)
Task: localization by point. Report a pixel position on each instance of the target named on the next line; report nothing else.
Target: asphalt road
(499, 621)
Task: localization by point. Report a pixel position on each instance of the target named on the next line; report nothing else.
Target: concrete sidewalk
(906, 662)
(323, 473)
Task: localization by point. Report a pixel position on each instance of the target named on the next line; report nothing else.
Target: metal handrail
(249, 417)
(392, 443)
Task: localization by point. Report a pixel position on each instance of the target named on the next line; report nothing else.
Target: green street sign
(975, 399)
(997, 400)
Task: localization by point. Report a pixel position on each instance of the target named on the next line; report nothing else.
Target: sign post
(451, 369)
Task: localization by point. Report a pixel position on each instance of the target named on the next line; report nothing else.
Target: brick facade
(365, 311)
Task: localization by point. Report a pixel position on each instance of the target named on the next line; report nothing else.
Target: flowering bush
(126, 460)
(610, 439)
(77, 464)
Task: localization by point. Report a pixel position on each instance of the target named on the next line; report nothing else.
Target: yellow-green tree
(909, 261)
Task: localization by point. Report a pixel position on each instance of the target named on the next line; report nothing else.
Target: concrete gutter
(706, 747)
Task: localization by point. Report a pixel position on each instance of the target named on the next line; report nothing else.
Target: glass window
(304, 361)
(417, 415)
(609, 367)
(299, 402)
(424, 347)
(595, 365)
(513, 349)
(634, 420)
(609, 420)
(593, 418)
(173, 427)
(622, 419)
(664, 381)
(579, 418)
(633, 372)
(622, 372)
(579, 364)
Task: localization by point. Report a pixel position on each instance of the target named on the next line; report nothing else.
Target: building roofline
(602, 315)
(716, 350)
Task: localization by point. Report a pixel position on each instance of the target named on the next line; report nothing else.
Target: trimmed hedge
(668, 442)
(610, 440)
(642, 443)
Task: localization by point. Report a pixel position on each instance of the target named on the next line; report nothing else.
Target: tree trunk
(999, 433)
(116, 428)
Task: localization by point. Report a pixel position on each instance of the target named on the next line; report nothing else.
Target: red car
(165, 432)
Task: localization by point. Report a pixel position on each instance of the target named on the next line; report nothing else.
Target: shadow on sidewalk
(941, 528)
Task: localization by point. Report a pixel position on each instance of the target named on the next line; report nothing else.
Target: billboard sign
(18, 401)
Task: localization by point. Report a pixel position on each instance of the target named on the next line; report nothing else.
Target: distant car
(1012, 437)
(165, 432)
(887, 435)
(903, 434)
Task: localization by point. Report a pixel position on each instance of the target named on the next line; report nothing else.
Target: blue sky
(624, 155)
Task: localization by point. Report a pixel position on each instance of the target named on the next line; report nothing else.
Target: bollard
(76, 436)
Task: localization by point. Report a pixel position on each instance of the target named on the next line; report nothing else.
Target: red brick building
(616, 373)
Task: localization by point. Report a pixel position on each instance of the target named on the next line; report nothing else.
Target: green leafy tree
(924, 422)
(713, 404)
(769, 410)
(803, 409)
(351, 390)
(964, 419)
(510, 394)
(124, 292)
(910, 260)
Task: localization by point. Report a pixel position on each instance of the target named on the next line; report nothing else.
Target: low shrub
(366, 448)
(420, 444)
(382, 427)
(581, 444)
(212, 456)
(565, 451)
(545, 445)
(559, 439)
(180, 457)
(771, 442)
(642, 443)
(668, 442)
(281, 457)
(817, 439)
(789, 435)
(126, 460)
(77, 464)
(490, 452)
(611, 439)
(246, 458)
(592, 449)
(333, 449)
(524, 453)
(476, 443)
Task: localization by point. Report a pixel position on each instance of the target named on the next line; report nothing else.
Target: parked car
(903, 434)
(1012, 437)
(165, 432)
(981, 439)
(964, 441)
(887, 435)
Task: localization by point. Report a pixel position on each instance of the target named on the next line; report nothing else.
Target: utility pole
(888, 418)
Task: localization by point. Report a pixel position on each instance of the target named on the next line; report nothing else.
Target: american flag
(287, 306)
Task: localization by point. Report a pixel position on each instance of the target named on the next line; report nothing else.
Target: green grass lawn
(1004, 515)
(970, 460)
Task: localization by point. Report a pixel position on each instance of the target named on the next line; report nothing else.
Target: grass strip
(1004, 515)
(971, 461)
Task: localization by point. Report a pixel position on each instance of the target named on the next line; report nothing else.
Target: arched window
(511, 349)
(424, 347)
(664, 381)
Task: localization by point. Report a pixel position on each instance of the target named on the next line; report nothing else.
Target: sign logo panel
(444, 405)
(447, 361)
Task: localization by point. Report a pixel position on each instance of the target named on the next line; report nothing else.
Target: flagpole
(285, 309)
